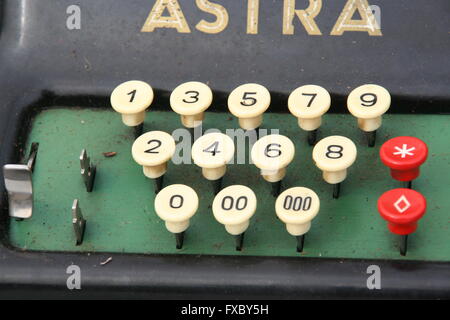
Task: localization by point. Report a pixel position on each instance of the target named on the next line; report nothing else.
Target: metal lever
(20, 190)
(19, 185)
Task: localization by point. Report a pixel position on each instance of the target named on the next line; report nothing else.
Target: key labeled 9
(368, 103)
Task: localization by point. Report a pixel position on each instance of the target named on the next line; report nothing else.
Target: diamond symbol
(404, 151)
(404, 201)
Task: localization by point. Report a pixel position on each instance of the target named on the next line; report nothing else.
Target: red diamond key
(402, 208)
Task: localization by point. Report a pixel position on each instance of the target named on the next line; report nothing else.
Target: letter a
(374, 281)
(74, 280)
(174, 20)
(367, 23)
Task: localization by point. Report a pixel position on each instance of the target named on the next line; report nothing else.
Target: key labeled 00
(241, 203)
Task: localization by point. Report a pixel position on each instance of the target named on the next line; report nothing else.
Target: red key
(404, 155)
(402, 208)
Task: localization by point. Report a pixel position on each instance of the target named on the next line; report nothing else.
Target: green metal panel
(121, 218)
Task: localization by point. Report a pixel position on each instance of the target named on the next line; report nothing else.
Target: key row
(233, 207)
(272, 154)
(248, 103)
(296, 207)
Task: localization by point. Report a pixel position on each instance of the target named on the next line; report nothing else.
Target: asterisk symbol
(404, 151)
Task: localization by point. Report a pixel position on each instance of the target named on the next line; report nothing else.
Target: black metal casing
(43, 64)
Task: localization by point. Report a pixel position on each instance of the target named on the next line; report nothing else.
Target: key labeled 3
(190, 100)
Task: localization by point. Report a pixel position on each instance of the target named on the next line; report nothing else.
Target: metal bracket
(78, 222)
(88, 171)
(32, 157)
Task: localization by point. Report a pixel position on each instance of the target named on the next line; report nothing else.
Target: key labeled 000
(297, 203)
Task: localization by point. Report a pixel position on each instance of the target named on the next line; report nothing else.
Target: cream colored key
(334, 155)
(131, 99)
(212, 152)
(248, 103)
(309, 103)
(176, 205)
(190, 100)
(153, 150)
(297, 207)
(233, 207)
(368, 103)
(272, 154)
